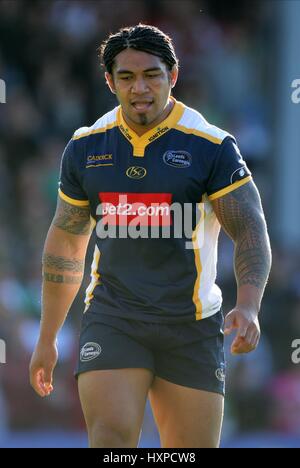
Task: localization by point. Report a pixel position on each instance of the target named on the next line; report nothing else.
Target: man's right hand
(41, 368)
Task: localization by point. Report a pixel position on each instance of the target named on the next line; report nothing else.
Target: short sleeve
(229, 170)
(70, 189)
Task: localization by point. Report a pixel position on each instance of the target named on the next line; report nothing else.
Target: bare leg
(186, 417)
(113, 403)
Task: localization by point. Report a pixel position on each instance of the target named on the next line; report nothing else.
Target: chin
(141, 119)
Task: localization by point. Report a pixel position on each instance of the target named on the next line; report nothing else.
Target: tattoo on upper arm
(63, 263)
(241, 215)
(73, 219)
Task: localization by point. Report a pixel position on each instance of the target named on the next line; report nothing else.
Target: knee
(104, 435)
(176, 437)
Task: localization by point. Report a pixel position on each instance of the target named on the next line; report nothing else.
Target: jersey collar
(139, 143)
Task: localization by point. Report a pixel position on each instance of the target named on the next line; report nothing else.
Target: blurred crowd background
(48, 59)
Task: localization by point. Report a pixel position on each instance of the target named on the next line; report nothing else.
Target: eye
(125, 78)
(152, 75)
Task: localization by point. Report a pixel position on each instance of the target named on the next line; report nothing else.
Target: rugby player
(153, 324)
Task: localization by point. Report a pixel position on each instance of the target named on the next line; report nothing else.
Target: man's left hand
(245, 321)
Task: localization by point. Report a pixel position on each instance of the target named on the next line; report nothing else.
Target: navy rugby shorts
(189, 354)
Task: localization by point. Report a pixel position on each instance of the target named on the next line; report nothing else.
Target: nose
(139, 86)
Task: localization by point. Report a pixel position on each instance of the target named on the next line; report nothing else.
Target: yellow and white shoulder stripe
(193, 123)
(106, 122)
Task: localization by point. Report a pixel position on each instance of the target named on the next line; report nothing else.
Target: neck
(141, 129)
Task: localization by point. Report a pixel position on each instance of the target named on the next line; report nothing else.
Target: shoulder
(194, 123)
(104, 123)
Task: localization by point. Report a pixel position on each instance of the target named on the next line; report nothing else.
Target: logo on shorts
(89, 352)
(220, 374)
(180, 159)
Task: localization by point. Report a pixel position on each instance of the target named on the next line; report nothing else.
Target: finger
(36, 382)
(253, 335)
(229, 325)
(48, 375)
(46, 381)
(243, 329)
(236, 345)
(240, 346)
(41, 383)
(250, 335)
(242, 349)
(252, 340)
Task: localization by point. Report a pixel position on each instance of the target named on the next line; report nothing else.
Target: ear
(110, 82)
(174, 75)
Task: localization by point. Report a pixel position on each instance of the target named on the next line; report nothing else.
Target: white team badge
(220, 374)
(90, 351)
(238, 174)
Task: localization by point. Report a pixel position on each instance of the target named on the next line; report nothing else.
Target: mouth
(142, 106)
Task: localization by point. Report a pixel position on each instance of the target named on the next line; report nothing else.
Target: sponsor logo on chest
(97, 160)
(178, 159)
(136, 172)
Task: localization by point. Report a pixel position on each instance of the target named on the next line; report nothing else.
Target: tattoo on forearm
(241, 216)
(73, 219)
(63, 263)
(53, 278)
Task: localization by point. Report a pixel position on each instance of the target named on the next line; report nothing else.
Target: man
(153, 321)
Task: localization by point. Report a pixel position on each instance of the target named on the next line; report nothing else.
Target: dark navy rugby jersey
(134, 184)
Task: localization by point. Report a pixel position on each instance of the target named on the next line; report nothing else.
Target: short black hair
(141, 37)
